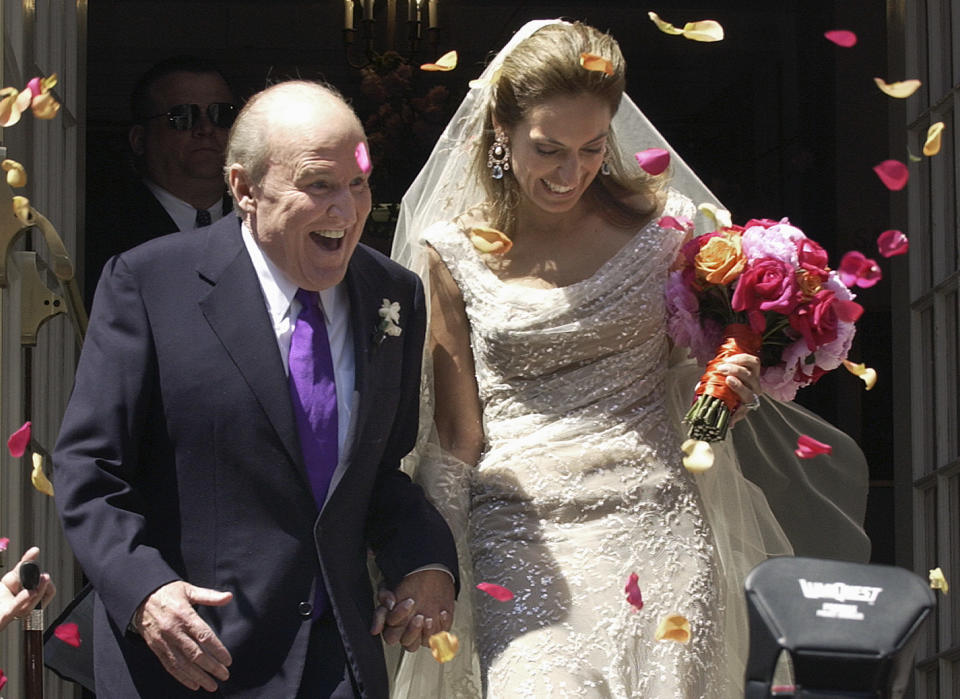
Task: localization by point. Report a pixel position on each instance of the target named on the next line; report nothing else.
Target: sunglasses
(183, 117)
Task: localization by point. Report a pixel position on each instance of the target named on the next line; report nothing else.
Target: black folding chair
(850, 629)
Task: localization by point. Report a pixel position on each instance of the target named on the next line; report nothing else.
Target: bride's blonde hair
(547, 65)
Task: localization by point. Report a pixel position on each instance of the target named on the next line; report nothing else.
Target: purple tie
(313, 393)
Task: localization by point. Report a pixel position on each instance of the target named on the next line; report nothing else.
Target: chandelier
(359, 23)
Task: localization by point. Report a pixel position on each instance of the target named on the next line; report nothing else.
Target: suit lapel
(236, 311)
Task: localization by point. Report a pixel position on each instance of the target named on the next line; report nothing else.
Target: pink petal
(633, 592)
(653, 160)
(892, 243)
(363, 158)
(3, 679)
(35, 86)
(498, 592)
(17, 444)
(69, 633)
(849, 311)
(678, 223)
(857, 269)
(841, 37)
(808, 447)
(893, 174)
(4, 542)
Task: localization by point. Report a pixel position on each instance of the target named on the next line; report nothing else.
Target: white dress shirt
(182, 213)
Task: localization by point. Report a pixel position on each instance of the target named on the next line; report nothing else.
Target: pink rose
(812, 257)
(818, 319)
(767, 285)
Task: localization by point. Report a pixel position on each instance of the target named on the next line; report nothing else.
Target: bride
(554, 452)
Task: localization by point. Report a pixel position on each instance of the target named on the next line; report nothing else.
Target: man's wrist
(136, 622)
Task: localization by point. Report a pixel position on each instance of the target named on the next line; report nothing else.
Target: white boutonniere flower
(389, 320)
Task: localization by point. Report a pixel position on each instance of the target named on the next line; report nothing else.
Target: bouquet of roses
(763, 289)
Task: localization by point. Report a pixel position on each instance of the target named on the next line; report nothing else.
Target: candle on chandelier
(368, 10)
(348, 14)
(432, 6)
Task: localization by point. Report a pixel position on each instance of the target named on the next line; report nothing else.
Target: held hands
(184, 643)
(425, 607)
(743, 376)
(16, 602)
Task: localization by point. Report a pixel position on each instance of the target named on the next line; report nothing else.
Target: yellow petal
(698, 455)
(45, 106)
(16, 175)
(673, 627)
(490, 240)
(900, 90)
(9, 112)
(444, 646)
(483, 82)
(868, 375)
(932, 145)
(665, 27)
(21, 208)
(447, 61)
(39, 478)
(938, 582)
(49, 82)
(704, 30)
(591, 61)
(720, 217)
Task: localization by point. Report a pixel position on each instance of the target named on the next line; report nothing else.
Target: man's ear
(241, 188)
(136, 136)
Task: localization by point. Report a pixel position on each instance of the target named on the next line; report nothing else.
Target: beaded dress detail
(581, 483)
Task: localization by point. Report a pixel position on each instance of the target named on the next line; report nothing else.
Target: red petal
(841, 37)
(4, 542)
(633, 592)
(69, 633)
(498, 592)
(857, 269)
(893, 174)
(3, 679)
(678, 223)
(849, 311)
(808, 447)
(362, 156)
(653, 160)
(17, 444)
(892, 243)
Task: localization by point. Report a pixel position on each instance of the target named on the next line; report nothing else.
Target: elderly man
(231, 449)
(181, 111)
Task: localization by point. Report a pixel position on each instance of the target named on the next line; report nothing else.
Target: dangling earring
(498, 157)
(605, 165)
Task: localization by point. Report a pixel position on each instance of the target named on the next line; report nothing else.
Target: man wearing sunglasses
(182, 109)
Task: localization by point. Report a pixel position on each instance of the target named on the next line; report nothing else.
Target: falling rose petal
(900, 90)
(932, 145)
(3, 679)
(653, 160)
(4, 542)
(44, 106)
(591, 61)
(35, 86)
(39, 478)
(938, 581)
(362, 156)
(634, 596)
(892, 242)
(665, 27)
(673, 627)
(893, 174)
(483, 82)
(841, 37)
(9, 111)
(721, 217)
(18, 441)
(857, 269)
(808, 447)
(698, 456)
(446, 62)
(704, 30)
(69, 633)
(677, 223)
(490, 240)
(866, 374)
(16, 175)
(21, 208)
(498, 592)
(444, 646)
(913, 158)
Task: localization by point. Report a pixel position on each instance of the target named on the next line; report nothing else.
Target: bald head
(266, 119)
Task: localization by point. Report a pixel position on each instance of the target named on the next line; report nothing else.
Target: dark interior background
(775, 119)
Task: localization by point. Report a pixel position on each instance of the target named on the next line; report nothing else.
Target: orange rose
(721, 259)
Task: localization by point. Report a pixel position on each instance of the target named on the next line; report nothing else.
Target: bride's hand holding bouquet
(763, 289)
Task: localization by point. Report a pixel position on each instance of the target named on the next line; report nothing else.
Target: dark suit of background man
(179, 473)
(181, 110)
